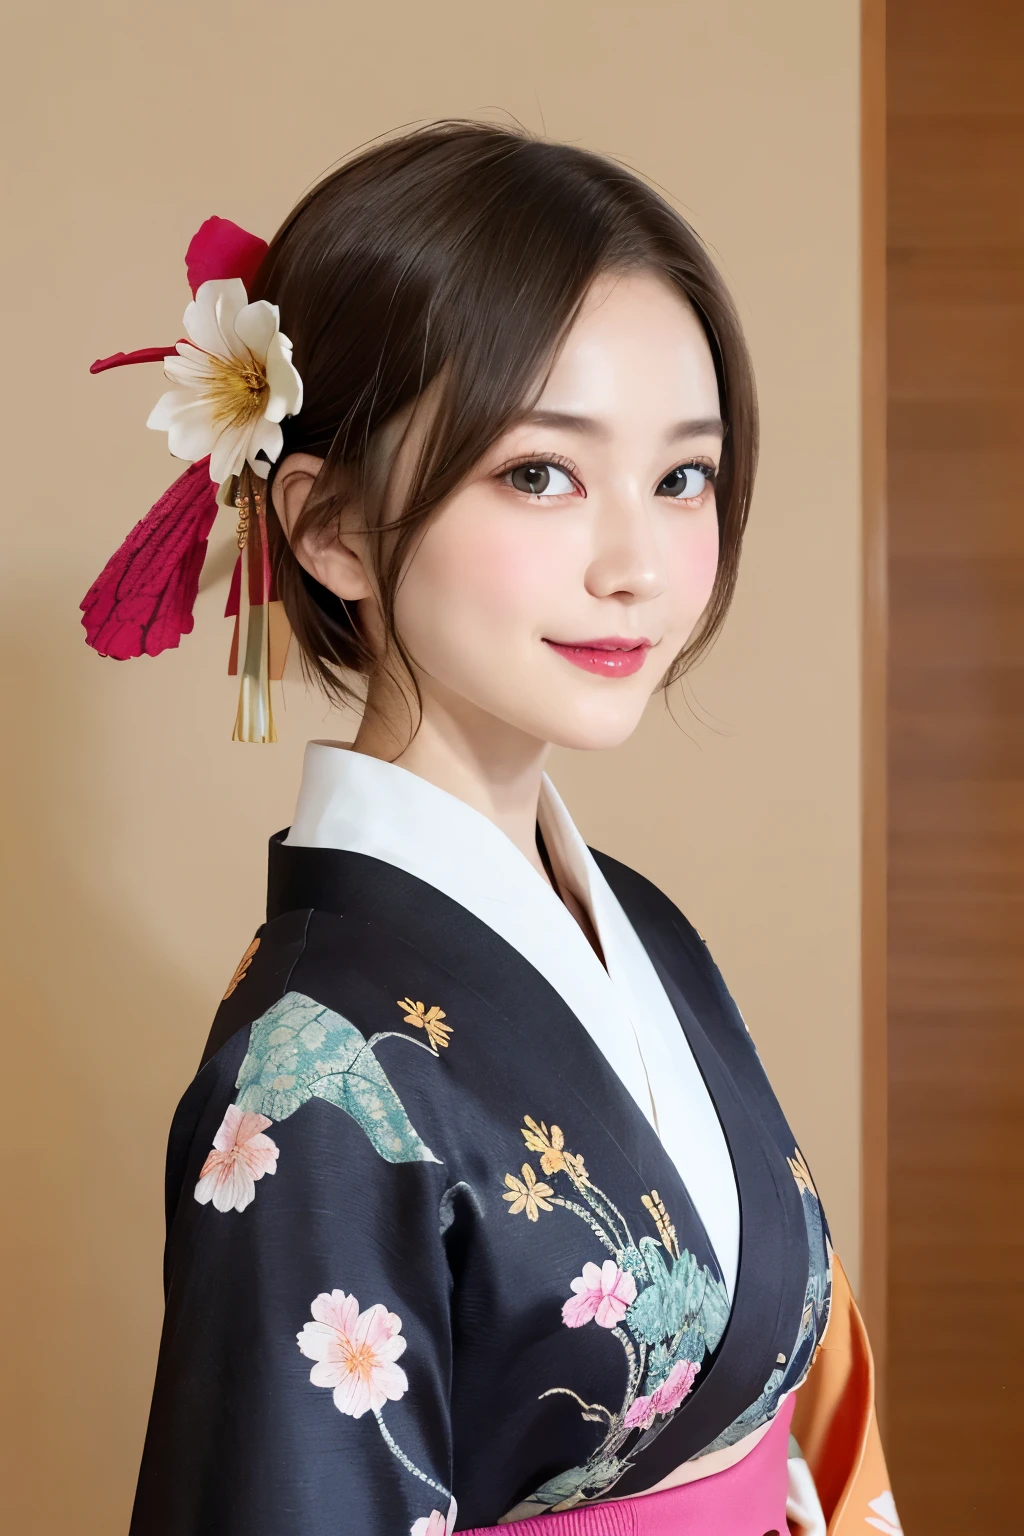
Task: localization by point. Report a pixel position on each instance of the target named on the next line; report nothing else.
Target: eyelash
(541, 459)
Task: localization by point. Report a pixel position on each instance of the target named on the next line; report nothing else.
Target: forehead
(636, 343)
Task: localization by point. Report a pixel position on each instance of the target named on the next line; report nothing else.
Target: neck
(489, 764)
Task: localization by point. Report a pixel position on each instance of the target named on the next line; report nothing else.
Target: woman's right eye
(540, 479)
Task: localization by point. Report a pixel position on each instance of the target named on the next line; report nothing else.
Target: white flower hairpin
(235, 382)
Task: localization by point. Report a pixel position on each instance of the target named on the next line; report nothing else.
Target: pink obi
(747, 1499)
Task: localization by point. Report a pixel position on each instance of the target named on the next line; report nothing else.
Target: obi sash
(747, 1499)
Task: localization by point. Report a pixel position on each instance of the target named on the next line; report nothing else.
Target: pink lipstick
(613, 656)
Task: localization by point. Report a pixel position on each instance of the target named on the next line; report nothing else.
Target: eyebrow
(706, 426)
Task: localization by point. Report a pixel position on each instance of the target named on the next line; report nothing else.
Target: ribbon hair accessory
(233, 383)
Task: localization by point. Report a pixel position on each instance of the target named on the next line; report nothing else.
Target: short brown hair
(464, 249)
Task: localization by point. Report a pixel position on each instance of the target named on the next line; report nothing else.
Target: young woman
(539, 1245)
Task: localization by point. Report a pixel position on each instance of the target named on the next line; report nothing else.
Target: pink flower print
(435, 1524)
(640, 1414)
(675, 1387)
(355, 1353)
(664, 1399)
(603, 1294)
(241, 1155)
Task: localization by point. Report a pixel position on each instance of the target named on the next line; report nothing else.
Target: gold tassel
(255, 718)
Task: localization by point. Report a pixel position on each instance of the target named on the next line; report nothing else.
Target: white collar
(350, 801)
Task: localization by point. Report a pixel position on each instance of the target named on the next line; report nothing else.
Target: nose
(627, 560)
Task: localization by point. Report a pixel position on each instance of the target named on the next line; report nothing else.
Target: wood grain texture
(956, 760)
(874, 610)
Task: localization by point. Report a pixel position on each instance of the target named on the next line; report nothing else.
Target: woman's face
(554, 589)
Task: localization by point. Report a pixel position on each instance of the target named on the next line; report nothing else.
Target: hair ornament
(234, 383)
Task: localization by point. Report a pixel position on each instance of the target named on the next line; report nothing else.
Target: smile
(611, 657)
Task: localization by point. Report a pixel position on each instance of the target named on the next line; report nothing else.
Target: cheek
(705, 560)
(695, 567)
(486, 572)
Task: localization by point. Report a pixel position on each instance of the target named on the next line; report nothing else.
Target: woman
(538, 1243)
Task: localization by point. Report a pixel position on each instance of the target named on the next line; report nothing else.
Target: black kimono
(426, 1256)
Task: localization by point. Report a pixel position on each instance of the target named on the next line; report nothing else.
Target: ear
(334, 563)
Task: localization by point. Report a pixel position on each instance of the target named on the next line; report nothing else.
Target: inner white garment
(350, 801)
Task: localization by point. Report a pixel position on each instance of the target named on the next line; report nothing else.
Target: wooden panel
(874, 608)
(956, 760)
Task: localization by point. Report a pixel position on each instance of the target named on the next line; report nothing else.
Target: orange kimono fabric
(835, 1425)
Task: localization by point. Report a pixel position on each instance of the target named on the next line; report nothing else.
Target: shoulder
(306, 1047)
(342, 962)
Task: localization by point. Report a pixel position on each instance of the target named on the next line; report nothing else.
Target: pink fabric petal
(327, 1373)
(619, 1292)
(352, 1395)
(259, 1155)
(207, 1182)
(376, 1326)
(640, 1414)
(436, 1524)
(579, 1309)
(141, 603)
(226, 1182)
(433, 1524)
(227, 1134)
(610, 1311)
(337, 1310)
(675, 1387)
(251, 1126)
(392, 1348)
(317, 1340)
(388, 1383)
(220, 248)
(592, 1276)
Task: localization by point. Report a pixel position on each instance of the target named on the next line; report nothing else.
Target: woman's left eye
(538, 478)
(687, 482)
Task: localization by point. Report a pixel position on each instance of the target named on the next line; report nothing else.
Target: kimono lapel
(773, 1254)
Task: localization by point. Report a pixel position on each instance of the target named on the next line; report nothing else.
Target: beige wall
(134, 850)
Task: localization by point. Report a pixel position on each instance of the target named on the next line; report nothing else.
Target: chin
(590, 728)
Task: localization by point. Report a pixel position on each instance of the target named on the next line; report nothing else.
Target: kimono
(468, 1224)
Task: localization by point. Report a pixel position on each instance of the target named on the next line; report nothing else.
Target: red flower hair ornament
(233, 384)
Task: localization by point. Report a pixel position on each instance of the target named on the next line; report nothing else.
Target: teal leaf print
(684, 1303)
(300, 1050)
(593, 1477)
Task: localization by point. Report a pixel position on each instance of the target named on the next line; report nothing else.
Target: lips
(612, 656)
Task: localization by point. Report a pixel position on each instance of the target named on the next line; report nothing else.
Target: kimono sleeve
(303, 1380)
(836, 1426)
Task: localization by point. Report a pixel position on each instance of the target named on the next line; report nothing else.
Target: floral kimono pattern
(427, 1264)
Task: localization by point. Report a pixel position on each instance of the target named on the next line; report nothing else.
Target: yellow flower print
(241, 968)
(551, 1146)
(526, 1194)
(798, 1168)
(428, 1019)
(666, 1231)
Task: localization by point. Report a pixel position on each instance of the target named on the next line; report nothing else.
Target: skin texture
(498, 571)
